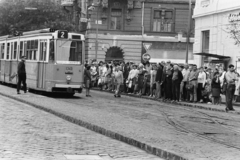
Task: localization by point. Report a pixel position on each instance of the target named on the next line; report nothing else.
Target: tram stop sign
(146, 57)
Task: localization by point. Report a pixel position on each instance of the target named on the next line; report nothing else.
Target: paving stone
(138, 120)
(31, 134)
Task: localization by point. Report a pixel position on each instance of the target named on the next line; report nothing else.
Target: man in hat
(22, 75)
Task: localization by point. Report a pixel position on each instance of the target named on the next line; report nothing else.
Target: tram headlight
(68, 78)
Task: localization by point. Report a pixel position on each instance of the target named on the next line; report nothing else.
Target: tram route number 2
(63, 34)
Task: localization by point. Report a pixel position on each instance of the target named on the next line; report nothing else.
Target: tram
(54, 60)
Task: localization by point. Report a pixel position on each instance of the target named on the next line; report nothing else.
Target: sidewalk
(219, 108)
(131, 120)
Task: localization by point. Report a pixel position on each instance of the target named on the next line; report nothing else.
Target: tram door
(41, 64)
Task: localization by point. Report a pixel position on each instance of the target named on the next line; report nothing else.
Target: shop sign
(67, 2)
(205, 3)
(234, 17)
(146, 57)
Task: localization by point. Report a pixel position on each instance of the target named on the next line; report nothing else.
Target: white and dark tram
(54, 60)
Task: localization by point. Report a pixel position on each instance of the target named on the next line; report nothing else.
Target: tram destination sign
(63, 34)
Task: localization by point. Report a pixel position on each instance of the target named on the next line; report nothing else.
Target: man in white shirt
(185, 73)
(202, 77)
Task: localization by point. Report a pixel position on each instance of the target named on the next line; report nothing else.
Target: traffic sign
(147, 45)
(146, 57)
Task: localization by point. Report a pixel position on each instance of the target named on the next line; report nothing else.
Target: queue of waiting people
(166, 81)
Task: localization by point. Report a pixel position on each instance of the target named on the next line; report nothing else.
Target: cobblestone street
(30, 134)
(167, 130)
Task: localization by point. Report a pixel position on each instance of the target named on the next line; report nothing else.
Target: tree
(47, 15)
(234, 31)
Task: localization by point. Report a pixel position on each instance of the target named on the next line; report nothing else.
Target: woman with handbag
(216, 88)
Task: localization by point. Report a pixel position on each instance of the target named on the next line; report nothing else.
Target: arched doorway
(114, 53)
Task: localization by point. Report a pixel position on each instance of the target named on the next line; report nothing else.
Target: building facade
(126, 29)
(216, 37)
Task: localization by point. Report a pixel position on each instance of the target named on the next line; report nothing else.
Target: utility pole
(188, 29)
(96, 43)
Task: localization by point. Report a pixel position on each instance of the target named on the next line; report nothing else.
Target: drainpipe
(142, 18)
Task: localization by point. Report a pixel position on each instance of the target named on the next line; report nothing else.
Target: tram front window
(69, 51)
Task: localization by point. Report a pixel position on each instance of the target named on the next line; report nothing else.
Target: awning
(212, 55)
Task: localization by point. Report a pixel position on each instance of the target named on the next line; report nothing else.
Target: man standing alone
(22, 75)
(231, 77)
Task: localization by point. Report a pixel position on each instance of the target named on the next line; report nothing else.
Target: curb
(143, 146)
(175, 103)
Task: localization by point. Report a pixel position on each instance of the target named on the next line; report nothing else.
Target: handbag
(130, 84)
(224, 87)
(189, 87)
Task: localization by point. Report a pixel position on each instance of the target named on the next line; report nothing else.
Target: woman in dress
(153, 73)
(87, 80)
(118, 76)
(140, 79)
(216, 88)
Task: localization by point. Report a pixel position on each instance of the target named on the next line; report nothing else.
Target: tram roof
(41, 32)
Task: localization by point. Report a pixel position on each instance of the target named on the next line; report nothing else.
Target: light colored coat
(118, 77)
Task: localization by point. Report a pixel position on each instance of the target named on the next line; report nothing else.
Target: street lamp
(188, 29)
(92, 7)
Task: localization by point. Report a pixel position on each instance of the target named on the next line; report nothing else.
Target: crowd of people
(165, 80)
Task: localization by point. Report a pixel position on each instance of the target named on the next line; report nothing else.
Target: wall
(217, 22)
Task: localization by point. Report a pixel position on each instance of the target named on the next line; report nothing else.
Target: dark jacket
(216, 84)
(159, 74)
(21, 68)
(87, 75)
(126, 71)
(179, 77)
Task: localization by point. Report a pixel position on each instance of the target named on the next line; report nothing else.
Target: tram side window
(21, 49)
(51, 51)
(32, 49)
(12, 50)
(76, 51)
(15, 51)
(43, 50)
(2, 50)
(8, 51)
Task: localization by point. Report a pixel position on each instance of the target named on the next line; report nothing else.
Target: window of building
(2, 50)
(205, 41)
(163, 21)
(116, 19)
(32, 49)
